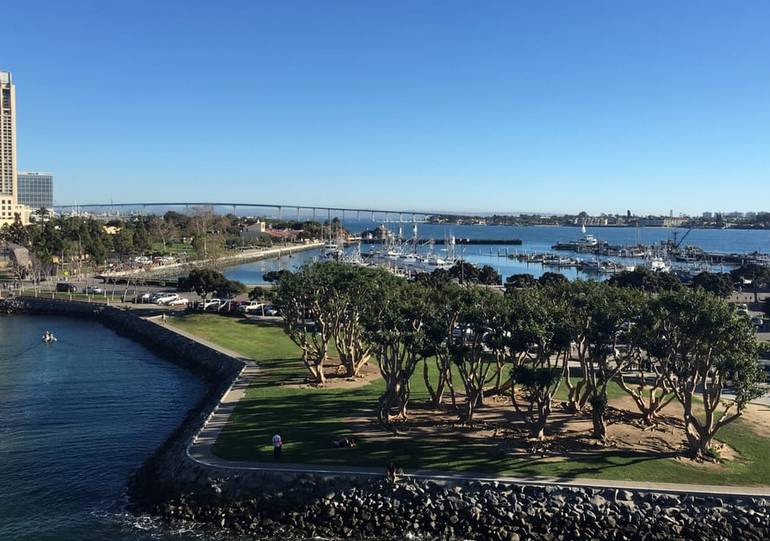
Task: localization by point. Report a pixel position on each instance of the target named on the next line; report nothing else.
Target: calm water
(535, 239)
(76, 418)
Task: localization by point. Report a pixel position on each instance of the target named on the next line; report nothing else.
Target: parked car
(181, 301)
(212, 304)
(93, 290)
(758, 321)
(744, 312)
(251, 307)
(145, 297)
(271, 310)
(742, 306)
(67, 287)
(166, 298)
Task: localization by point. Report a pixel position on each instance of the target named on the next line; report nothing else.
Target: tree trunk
(320, 373)
(384, 407)
(433, 394)
(600, 427)
(701, 446)
(598, 408)
(576, 398)
(538, 428)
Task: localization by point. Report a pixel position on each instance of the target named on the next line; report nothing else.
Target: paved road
(200, 450)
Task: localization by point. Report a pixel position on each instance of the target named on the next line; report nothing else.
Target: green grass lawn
(277, 355)
(310, 418)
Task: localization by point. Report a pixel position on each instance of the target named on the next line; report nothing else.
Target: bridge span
(280, 208)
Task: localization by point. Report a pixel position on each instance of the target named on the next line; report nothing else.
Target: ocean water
(535, 239)
(76, 419)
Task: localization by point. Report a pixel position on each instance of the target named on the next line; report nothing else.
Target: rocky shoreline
(380, 509)
(291, 505)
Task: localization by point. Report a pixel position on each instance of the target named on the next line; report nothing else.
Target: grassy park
(309, 417)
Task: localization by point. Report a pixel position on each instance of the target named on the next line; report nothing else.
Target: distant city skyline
(500, 108)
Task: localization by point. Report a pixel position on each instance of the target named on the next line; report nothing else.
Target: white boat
(587, 240)
(656, 264)
(590, 266)
(407, 259)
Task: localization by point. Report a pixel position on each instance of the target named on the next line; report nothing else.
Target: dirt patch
(336, 378)
(568, 435)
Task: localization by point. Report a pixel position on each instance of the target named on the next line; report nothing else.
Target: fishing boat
(586, 243)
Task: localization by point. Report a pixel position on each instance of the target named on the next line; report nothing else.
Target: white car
(252, 307)
(166, 298)
(212, 303)
(181, 301)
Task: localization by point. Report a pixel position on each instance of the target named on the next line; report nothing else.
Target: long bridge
(280, 208)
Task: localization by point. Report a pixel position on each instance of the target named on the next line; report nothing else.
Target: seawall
(290, 505)
(170, 473)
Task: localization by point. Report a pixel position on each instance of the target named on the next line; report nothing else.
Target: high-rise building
(35, 190)
(9, 206)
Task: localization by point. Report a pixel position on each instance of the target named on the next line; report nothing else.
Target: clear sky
(551, 106)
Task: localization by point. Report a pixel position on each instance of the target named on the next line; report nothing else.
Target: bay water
(77, 417)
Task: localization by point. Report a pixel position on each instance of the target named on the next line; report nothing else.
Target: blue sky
(551, 106)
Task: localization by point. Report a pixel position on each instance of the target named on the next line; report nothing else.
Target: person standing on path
(277, 446)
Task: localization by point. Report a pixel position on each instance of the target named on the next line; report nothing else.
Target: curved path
(200, 450)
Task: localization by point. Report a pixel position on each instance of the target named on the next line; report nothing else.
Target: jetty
(176, 269)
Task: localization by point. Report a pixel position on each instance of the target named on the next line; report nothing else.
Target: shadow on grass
(310, 419)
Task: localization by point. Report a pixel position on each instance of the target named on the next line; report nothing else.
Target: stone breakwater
(288, 504)
(380, 509)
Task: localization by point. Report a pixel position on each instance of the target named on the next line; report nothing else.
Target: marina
(633, 247)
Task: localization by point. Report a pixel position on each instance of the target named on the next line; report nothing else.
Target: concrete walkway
(201, 450)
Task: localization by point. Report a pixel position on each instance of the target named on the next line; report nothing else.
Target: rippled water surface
(76, 418)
